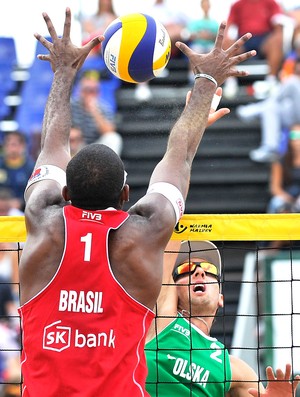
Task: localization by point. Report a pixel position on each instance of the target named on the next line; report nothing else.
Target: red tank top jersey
(83, 335)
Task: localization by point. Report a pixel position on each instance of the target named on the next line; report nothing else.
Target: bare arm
(184, 139)
(243, 378)
(44, 198)
(276, 182)
(187, 133)
(66, 59)
(166, 306)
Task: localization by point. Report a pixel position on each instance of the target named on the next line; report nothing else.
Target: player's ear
(65, 194)
(221, 300)
(125, 193)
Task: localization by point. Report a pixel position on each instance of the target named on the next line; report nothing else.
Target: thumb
(183, 48)
(253, 392)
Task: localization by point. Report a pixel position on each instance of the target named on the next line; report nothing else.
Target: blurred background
(27, 16)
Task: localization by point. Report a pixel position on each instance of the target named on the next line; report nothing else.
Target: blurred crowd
(10, 337)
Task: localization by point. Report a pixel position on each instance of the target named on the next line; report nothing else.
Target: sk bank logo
(56, 337)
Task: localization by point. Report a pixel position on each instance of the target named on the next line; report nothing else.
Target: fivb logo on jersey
(58, 337)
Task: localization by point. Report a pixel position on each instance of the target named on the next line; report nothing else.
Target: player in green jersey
(182, 358)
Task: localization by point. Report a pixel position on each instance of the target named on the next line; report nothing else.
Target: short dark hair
(20, 135)
(95, 177)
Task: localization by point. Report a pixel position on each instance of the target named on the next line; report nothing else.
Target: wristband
(171, 193)
(206, 76)
(45, 172)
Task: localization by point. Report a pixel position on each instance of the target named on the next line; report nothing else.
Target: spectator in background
(92, 116)
(289, 62)
(9, 301)
(264, 19)
(201, 33)
(7, 202)
(174, 20)
(292, 9)
(285, 181)
(15, 166)
(9, 271)
(277, 113)
(10, 347)
(8, 306)
(76, 140)
(10, 370)
(96, 24)
(9, 256)
(285, 177)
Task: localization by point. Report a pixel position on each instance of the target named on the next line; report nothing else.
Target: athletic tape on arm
(215, 102)
(47, 172)
(172, 193)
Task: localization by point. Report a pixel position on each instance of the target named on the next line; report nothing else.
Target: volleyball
(136, 47)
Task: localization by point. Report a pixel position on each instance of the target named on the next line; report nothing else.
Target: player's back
(83, 327)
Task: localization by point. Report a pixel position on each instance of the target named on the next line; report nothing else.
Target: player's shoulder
(241, 370)
(42, 212)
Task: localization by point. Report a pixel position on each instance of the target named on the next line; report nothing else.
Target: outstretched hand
(279, 385)
(219, 63)
(62, 52)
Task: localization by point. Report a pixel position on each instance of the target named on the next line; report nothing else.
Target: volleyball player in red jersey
(90, 273)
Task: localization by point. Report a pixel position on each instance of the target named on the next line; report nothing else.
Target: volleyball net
(260, 320)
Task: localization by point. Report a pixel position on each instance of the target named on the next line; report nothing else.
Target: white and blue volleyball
(136, 48)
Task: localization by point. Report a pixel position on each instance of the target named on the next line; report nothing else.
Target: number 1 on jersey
(87, 240)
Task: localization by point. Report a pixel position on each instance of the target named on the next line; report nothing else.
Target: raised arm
(187, 133)
(174, 169)
(166, 305)
(66, 59)
(163, 204)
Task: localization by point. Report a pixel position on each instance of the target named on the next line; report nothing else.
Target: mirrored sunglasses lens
(185, 268)
(209, 267)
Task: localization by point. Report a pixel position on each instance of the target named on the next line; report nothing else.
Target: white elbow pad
(172, 193)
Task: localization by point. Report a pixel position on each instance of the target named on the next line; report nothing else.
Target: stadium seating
(35, 90)
(34, 94)
(8, 61)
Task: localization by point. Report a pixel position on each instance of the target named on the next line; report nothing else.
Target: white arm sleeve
(172, 193)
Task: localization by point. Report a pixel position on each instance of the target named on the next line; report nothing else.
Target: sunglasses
(188, 268)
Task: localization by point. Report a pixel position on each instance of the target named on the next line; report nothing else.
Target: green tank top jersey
(183, 361)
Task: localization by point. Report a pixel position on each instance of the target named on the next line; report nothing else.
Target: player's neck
(199, 322)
